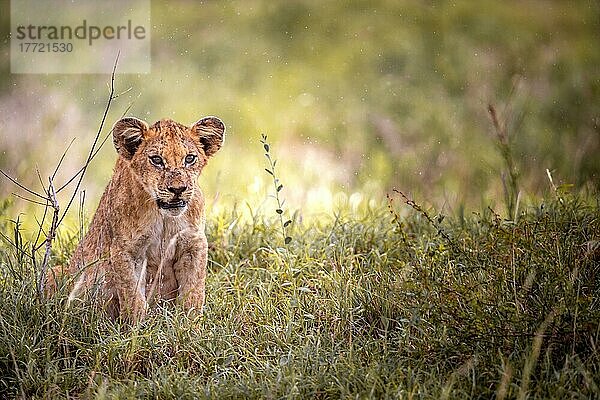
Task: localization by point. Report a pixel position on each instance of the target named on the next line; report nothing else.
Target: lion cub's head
(167, 157)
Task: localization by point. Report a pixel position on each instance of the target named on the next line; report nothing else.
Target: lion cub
(147, 236)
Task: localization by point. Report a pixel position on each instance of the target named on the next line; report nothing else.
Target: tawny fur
(136, 247)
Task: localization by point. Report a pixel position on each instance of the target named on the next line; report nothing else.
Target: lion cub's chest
(164, 243)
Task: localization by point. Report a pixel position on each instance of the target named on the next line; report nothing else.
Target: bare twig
(21, 186)
(62, 158)
(28, 199)
(57, 218)
(37, 170)
(81, 205)
(50, 201)
(72, 178)
(67, 183)
(34, 246)
(123, 92)
(396, 218)
(424, 213)
(50, 236)
(91, 153)
(40, 224)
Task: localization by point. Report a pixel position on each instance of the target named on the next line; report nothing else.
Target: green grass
(376, 305)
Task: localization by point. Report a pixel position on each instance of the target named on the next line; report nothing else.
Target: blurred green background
(356, 98)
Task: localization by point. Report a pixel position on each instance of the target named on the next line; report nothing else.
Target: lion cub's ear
(211, 132)
(128, 134)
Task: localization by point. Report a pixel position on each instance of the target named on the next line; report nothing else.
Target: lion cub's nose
(177, 190)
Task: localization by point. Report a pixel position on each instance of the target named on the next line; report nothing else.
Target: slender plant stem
(277, 186)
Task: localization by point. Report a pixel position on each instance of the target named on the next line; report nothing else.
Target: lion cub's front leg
(190, 270)
(128, 280)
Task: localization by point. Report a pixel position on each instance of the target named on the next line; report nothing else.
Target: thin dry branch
(82, 169)
(41, 231)
(50, 201)
(37, 171)
(21, 186)
(62, 158)
(67, 183)
(91, 153)
(28, 199)
(424, 213)
(50, 236)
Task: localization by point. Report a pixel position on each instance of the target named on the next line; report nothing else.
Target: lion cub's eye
(190, 159)
(157, 161)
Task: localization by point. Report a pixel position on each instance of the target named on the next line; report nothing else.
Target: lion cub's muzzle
(177, 203)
